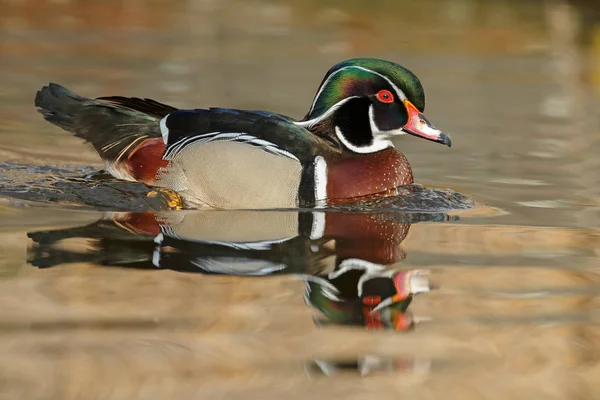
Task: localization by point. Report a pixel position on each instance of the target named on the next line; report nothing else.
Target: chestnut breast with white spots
(367, 174)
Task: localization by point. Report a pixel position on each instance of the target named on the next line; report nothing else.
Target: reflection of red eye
(385, 96)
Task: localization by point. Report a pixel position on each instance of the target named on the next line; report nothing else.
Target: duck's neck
(350, 116)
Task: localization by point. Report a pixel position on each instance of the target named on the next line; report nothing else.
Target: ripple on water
(90, 187)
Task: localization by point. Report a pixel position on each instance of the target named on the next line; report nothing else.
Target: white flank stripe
(239, 267)
(173, 150)
(320, 181)
(177, 146)
(256, 245)
(164, 130)
(261, 142)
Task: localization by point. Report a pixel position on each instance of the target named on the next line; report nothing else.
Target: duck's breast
(367, 174)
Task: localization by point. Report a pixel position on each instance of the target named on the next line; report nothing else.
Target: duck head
(364, 102)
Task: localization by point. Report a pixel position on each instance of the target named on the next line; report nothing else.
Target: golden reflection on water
(515, 312)
(114, 331)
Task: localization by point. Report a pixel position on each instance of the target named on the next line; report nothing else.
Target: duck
(222, 158)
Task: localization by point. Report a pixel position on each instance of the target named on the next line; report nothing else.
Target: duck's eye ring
(385, 96)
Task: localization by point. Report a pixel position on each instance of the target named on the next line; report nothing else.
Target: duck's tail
(59, 105)
(115, 126)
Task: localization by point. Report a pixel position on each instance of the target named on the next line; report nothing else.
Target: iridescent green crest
(365, 76)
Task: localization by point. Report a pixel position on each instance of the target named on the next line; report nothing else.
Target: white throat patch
(379, 143)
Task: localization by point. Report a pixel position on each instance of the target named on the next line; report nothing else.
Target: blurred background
(516, 83)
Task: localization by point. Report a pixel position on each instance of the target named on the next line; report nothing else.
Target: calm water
(100, 297)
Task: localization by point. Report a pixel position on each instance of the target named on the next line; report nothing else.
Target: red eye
(385, 96)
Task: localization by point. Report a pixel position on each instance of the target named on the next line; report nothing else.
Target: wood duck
(243, 159)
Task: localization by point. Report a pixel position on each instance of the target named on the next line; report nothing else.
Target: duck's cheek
(386, 118)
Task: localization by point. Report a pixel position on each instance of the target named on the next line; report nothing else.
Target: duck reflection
(344, 258)
(367, 365)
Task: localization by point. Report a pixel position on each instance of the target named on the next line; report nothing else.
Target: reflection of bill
(380, 302)
(363, 294)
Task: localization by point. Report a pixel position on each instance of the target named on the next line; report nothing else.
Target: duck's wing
(270, 132)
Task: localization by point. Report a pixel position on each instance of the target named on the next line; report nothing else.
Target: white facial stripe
(320, 181)
(164, 130)
(311, 122)
(379, 143)
(399, 92)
